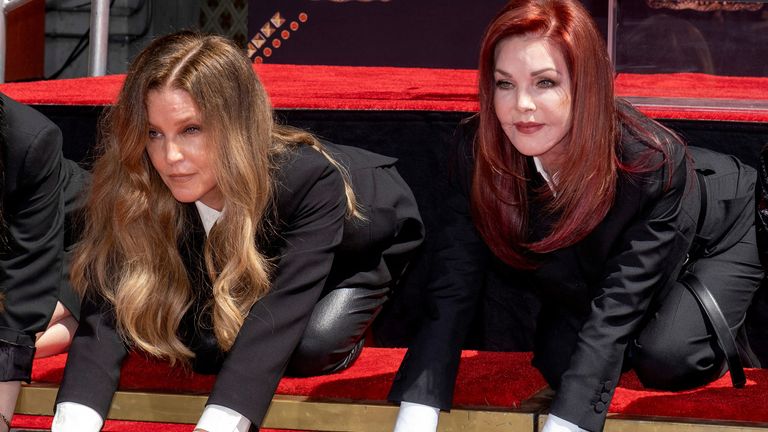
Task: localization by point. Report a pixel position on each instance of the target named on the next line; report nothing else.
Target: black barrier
(406, 33)
(403, 33)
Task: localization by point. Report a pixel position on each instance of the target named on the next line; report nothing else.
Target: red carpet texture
(716, 401)
(485, 378)
(386, 88)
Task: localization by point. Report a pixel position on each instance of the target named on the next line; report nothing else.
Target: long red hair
(587, 178)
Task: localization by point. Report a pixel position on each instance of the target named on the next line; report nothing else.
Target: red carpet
(692, 85)
(716, 401)
(306, 87)
(383, 88)
(485, 378)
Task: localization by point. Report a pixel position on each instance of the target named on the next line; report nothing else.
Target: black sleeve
(31, 260)
(312, 208)
(762, 207)
(93, 366)
(644, 258)
(428, 372)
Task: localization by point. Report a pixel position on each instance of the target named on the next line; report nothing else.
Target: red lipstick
(528, 127)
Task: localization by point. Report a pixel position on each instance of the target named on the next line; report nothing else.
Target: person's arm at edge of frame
(32, 259)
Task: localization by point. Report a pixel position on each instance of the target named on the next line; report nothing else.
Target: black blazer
(311, 249)
(37, 185)
(594, 294)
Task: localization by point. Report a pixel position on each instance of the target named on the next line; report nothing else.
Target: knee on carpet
(320, 355)
(674, 364)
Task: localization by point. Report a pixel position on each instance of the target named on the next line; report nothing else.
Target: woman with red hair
(642, 251)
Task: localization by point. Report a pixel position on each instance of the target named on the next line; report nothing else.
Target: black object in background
(402, 33)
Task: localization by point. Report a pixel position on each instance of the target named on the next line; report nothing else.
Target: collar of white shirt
(208, 216)
(544, 173)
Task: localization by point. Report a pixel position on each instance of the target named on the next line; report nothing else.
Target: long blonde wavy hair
(129, 253)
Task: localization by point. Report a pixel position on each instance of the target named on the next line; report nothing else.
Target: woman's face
(532, 97)
(180, 148)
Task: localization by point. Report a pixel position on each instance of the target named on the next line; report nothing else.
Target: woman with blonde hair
(640, 249)
(219, 239)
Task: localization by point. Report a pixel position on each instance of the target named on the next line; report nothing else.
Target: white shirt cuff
(75, 417)
(413, 417)
(556, 424)
(217, 418)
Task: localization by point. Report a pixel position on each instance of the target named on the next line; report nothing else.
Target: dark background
(447, 34)
(404, 33)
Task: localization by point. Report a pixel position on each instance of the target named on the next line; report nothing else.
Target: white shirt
(544, 173)
(75, 417)
(208, 216)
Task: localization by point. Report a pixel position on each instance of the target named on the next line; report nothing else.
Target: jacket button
(605, 397)
(599, 407)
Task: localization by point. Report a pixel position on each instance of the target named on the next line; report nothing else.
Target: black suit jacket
(37, 182)
(312, 238)
(594, 294)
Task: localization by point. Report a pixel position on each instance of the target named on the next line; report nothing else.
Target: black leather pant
(335, 333)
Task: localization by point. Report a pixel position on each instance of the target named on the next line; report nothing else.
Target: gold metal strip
(136, 406)
(618, 423)
(298, 412)
(286, 412)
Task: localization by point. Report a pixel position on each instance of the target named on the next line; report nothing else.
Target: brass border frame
(285, 412)
(622, 423)
(299, 412)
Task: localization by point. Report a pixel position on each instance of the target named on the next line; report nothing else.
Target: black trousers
(368, 264)
(677, 348)
(362, 277)
(335, 333)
